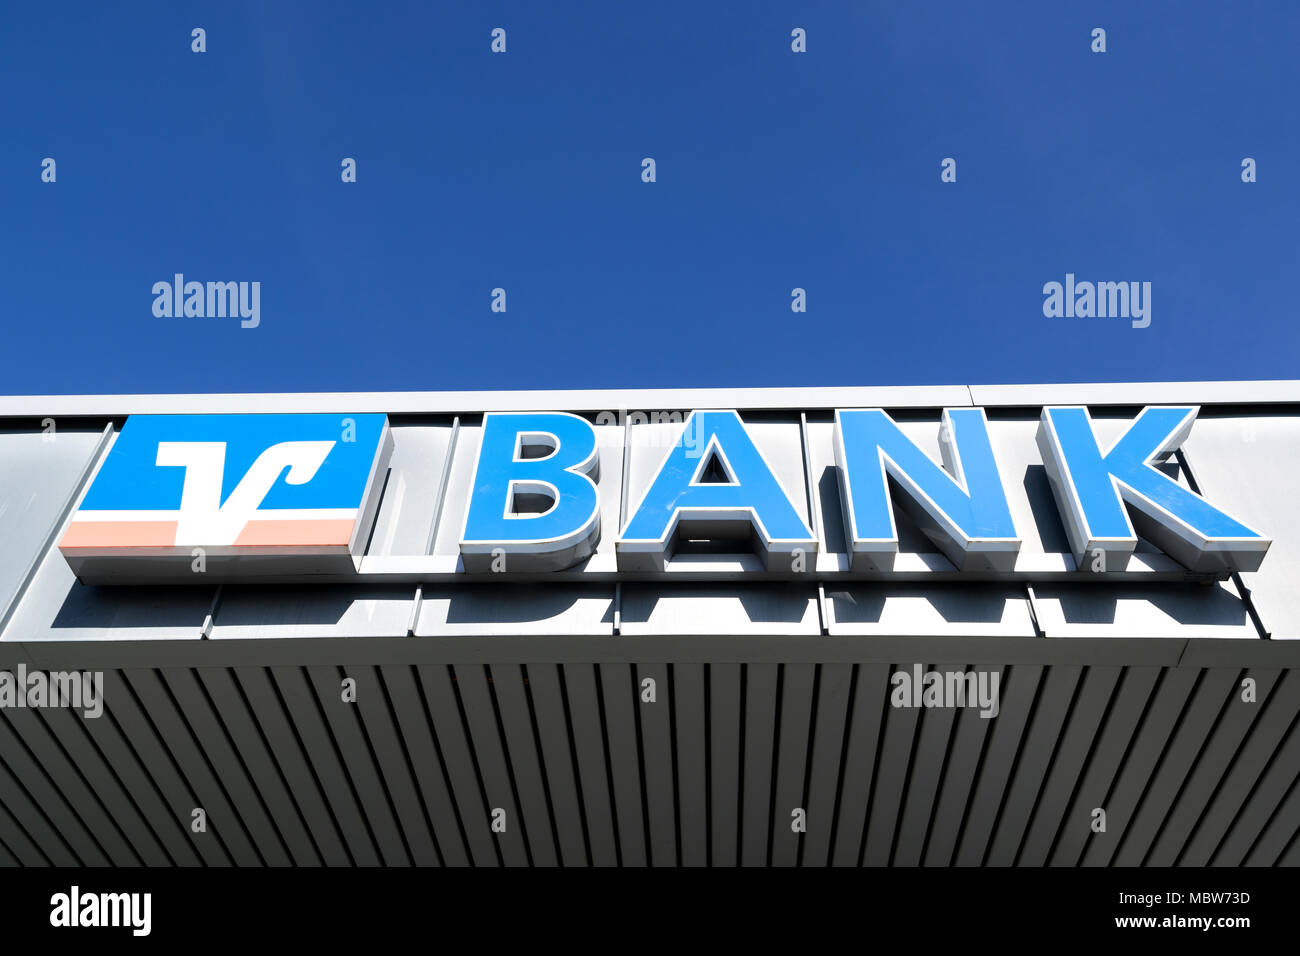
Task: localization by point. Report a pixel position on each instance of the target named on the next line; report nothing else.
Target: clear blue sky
(523, 171)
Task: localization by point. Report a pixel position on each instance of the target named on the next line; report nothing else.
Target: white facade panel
(742, 610)
(309, 611)
(935, 610)
(1211, 610)
(493, 609)
(1248, 463)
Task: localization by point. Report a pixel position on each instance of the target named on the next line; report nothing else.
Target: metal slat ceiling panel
(6, 858)
(47, 815)
(20, 848)
(1279, 841)
(1136, 689)
(723, 710)
(1051, 710)
(82, 798)
(238, 835)
(1203, 780)
(357, 757)
(556, 738)
(823, 786)
(302, 707)
(618, 691)
(1073, 751)
(517, 726)
(957, 785)
(893, 765)
(587, 723)
(1291, 857)
(475, 698)
(870, 693)
(688, 682)
(1263, 802)
(798, 692)
(462, 770)
(761, 684)
(1176, 763)
(302, 777)
(124, 712)
(379, 728)
(116, 801)
(289, 773)
(430, 770)
(1146, 748)
(1020, 688)
(214, 747)
(928, 761)
(1276, 717)
(656, 718)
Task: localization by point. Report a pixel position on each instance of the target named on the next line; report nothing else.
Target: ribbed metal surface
(710, 772)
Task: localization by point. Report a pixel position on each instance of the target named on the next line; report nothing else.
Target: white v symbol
(204, 520)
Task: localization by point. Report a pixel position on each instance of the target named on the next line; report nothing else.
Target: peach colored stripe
(327, 531)
(120, 534)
